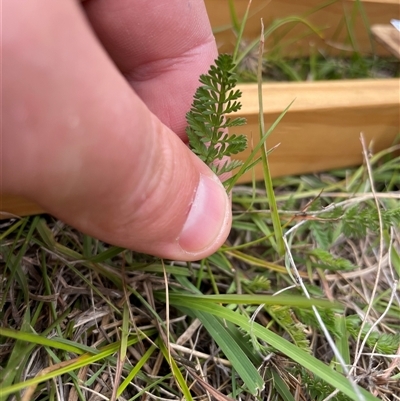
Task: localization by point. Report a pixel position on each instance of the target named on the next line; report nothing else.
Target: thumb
(86, 148)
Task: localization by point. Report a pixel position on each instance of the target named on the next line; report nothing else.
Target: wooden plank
(321, 130)
(13, 206)
(389, 36)
(334, 21)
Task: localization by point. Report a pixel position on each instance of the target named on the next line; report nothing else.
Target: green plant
(208, 119)
(84, 317)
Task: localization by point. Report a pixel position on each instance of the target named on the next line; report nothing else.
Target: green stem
(267, 173)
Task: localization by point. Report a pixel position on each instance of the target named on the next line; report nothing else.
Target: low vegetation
(301, 303)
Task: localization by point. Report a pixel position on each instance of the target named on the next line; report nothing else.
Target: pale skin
(94, 103)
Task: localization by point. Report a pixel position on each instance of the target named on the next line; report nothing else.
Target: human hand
(93, 123)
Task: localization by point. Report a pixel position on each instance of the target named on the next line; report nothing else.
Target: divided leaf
(207, 119)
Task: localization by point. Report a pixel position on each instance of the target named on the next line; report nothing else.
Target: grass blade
(135, 370)
(250, 159)
(264, 156)
(242, 26)
(176, 372)
(72, 364)
(252, 299)
(40, 340)
(281, 386)
(233, 352)
(309, 362)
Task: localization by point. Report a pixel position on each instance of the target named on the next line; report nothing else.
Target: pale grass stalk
(187, 335)
(88, 389)
(285, 289)
(381, 317)
(353, 195)
(298, 279)
(359, 348)
(113, 379)
(31, 390)
(192, 330)
(330, 396)
(254, 315)
(31, 362)
(392, 277)
(261, 307)
(378, 267)
(356, 198)
(59, 388)
(141, 328)
(395, 364)
(198, 354)
(382, 355)
(200, 368)
(355, 274)
(167, 309)
(90, 316)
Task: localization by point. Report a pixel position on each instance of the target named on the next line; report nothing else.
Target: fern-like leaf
(325, 260)
(286, 319)
(384, 343)
(207, 119)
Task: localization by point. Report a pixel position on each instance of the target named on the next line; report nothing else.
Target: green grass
(321, 63)
(320, 67)
(71, 314)
(83, 320)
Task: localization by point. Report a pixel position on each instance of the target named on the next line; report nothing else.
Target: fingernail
(208, 216)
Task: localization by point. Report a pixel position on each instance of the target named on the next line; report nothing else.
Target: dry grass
(82, 320)
(344, 240)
